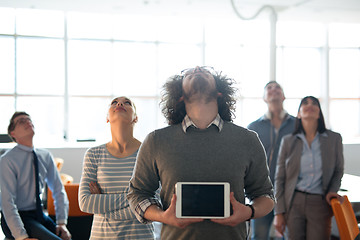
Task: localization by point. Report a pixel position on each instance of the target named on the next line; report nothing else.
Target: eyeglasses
(204, 69)
(22, 121)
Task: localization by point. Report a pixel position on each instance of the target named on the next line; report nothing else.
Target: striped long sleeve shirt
(113, 218)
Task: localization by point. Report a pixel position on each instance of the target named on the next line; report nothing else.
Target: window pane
(180, 30)
(173, 58)
(40, 66)
(229, 65)
(292, 105)
(248, 110)
(90, 67)
(344, 73)
(345, 118)
(344, 35)
(300, 34)
(241, 64)
(7, 65)
(146, 28)
(134, 69)
(40, 22)
(147, 111)
(251, 80)
(47, 114)
(248, 33)
(7, 106)
(89, 25)
(299, 71)
(7, 20)
(87, 118)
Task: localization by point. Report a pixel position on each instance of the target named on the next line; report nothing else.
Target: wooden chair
(345, 219)
(79, 223)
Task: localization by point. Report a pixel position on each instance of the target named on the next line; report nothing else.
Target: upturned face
(122, 109)
(23, 127)
(309, 109)
(198, 83)
(273, 93)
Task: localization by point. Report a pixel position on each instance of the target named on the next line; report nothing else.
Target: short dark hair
(321, 121)
(174, 109)
(11, 126)
(272, 81)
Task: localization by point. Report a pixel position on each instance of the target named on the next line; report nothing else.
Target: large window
(64, 68)
(344, 79)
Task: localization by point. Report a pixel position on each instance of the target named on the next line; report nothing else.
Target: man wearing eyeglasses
(200, 145)
(24, 171)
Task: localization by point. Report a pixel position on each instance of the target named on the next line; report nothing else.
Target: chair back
(72, 190)
(345, 219)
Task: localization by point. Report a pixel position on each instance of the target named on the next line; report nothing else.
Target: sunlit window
(7, 21)
(7, 106)
(39, 23)
(134, 69)
(142, 28)
(344, 35)
(345, 119)
(40, 66)
(64, 68)
(344, 79)
(47, 114)
(299, 71)
(301, 34)
(344, 73)
(86, 25)
(7, 64)
(90, 67)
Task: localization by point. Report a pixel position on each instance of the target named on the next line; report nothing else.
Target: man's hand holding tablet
(207, 200)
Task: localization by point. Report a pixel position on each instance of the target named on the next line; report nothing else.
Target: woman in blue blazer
(308, 174)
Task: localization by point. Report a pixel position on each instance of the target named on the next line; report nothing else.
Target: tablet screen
(202, 200)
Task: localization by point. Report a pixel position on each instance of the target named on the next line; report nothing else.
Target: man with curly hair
(200, 145)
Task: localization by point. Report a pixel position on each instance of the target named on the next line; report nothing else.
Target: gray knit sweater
(169, 155)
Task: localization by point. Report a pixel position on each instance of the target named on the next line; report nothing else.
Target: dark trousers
(44, 230)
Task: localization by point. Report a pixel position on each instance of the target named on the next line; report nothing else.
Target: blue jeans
(260, 227)
(41, 230)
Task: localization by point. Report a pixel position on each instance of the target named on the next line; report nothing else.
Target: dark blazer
(288, 167)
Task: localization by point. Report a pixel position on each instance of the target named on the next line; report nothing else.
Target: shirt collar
(282, 114)
(25, 148)
(187, 122)
(302, 135)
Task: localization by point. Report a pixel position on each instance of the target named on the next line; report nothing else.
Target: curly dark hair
(174, 109)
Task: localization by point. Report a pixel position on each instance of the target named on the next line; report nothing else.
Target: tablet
(202, 200)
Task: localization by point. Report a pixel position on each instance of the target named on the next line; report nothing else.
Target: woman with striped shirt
(105, 178)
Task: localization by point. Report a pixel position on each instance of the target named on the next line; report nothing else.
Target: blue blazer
(288, 167)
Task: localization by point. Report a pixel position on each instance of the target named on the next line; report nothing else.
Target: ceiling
(313, 10)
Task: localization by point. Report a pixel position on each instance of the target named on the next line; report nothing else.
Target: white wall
(73, 158)
(352, 159)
